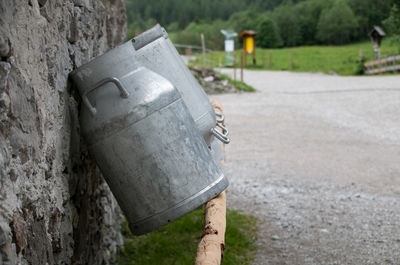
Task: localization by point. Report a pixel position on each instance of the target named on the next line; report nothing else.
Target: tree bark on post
(291, 60)
(212, 245)
(203, 48)
(270, 60)
(263, 59)
(234, 66)
(242, 63)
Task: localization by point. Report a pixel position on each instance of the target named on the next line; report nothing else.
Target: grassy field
(176, 244)
(342, 60)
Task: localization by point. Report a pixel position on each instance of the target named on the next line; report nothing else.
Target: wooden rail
(191, 46)
(388, 64)
(210, 250)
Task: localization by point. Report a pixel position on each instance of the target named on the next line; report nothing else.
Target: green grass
(340, 59)
(238, 84)
(177, 242)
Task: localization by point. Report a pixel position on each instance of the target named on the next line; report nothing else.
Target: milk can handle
(116, 81)
(220, 116)
(223, 137)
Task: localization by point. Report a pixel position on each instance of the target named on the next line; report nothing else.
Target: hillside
(290, 23)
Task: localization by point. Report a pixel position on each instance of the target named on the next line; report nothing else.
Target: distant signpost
(376, 36)
(229, 46)
(249, 46)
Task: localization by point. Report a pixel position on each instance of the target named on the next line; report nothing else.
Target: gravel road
(317, 159)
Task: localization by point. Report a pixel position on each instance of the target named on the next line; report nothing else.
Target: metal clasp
(223, 137)
(220, 117)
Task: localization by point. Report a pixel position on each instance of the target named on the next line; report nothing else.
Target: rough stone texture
(55, 207)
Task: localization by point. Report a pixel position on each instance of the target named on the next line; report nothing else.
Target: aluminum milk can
(144, 140)
(154, 50)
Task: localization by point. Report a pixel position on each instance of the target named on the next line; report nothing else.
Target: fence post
(212, 244)
(263, 59)
(203, 47)
(234, 65)
(241, 65)
(291, 60)
(270, 60)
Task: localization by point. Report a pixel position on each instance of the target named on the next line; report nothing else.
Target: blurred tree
(267, 34)
(244, 20)
(288, 22)
(213, 38)
(309, 13)
(369, 13)
(337, 25)
(392, 24)
(183, 11)
(298, 22)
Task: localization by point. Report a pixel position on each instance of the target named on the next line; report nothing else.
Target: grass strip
(177, 242)
(242, 86)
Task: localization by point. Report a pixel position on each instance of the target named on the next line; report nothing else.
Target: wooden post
(210, 250)
(234, 65)
(361, 53)
(270, 60)
(263, 59)
(188, 51)
(203, 47)
(212, 245)
(212, 60)
(220, 62)
(241, 65)
(291, 60)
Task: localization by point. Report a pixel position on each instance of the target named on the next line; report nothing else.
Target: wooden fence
(388, 64)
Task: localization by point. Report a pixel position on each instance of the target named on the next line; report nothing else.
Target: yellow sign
(249, 44)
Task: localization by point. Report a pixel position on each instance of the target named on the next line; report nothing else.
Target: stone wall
(55, 207)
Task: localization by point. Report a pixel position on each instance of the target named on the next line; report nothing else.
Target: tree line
(279, 23)
(180, 13)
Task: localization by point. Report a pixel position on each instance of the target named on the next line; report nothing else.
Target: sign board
(249, 44)
(229, 45)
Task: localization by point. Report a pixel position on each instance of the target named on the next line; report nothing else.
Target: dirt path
(317, 159)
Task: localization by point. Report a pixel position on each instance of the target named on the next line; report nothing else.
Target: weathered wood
(392, 68)
(263, 59)
(211, 248)
(242, 58)
(203, 48)
(389, 64)
(270, 60)
(234, 66)
(212, 245)
(291, 60)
